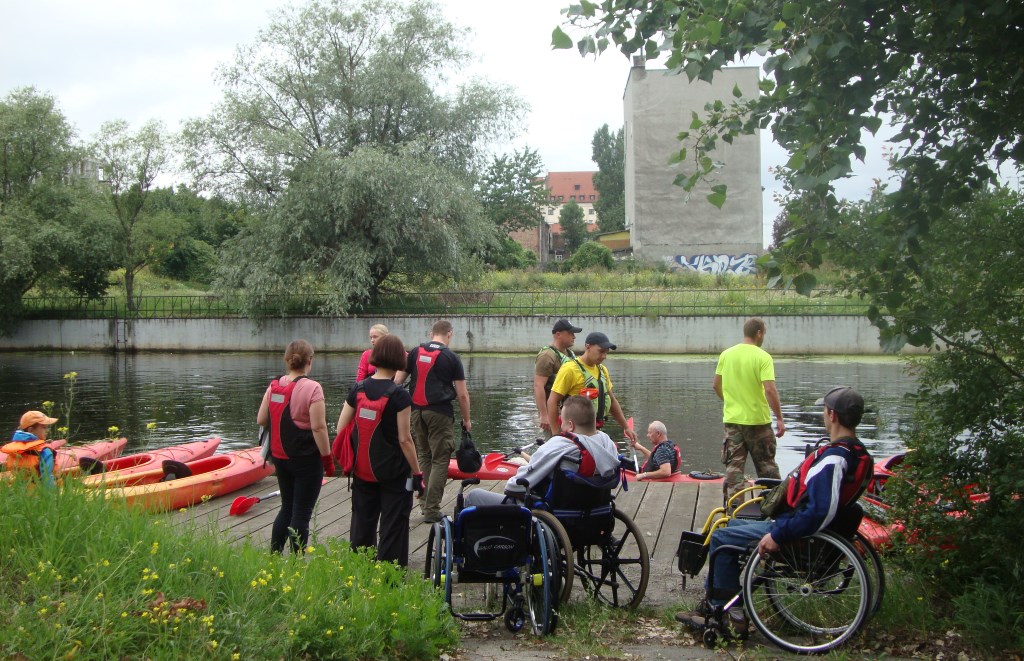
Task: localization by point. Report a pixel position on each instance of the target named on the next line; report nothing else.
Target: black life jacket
(287, 440)
(855, 481)
(563, 358)
(427, 387)
(377, 457)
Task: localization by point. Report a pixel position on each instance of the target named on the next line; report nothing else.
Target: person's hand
(545, 425)
(780, 429)
(631, 435)
(767, 545)
(467, 425)
(417, 485)
(328, 463)
(640, 477)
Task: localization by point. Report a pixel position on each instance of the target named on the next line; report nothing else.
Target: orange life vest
(24, 455)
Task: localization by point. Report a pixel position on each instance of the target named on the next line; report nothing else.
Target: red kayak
(496, 466)
(149, 460)
(56, 443)
(179, 485)
(68, 457)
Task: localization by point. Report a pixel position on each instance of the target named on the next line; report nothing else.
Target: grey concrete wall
(664, 220)
(648, 335)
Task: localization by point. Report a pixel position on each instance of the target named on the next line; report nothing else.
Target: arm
(772, 396)
(364, 367)
(664, 470)
(318, 425)
(717, 387)
(405, 441)
(347, 415)
(263, 415)
(644, 451)
(400, 377)
(463, 396)
(541, 400)
(47, 458)
(543, 463)
(554, 401)
(621, 419)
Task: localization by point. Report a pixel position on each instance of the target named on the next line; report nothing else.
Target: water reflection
(191, 396)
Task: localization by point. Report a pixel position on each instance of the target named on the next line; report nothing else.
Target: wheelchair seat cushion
(494, 538)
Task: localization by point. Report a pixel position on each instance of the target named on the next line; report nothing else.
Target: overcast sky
(136, 61)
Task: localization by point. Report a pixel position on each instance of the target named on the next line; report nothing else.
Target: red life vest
(427, 388)
(587, 464)
(855, 481)
(287, 440)
(377, 458)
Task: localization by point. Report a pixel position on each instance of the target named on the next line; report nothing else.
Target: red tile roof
(565, 183)
(556, 229)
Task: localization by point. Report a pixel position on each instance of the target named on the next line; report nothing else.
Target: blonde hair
(381, 328)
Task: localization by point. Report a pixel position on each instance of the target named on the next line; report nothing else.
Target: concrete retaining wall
(851, 335)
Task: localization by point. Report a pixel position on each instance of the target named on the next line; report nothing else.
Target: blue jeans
(739, 532)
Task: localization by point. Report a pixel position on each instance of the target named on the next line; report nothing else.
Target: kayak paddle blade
(242, 504)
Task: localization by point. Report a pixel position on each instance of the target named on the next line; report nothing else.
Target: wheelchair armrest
(767, 482)
(523, 482)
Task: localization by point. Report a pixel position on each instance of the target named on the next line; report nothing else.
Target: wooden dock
(660, 510)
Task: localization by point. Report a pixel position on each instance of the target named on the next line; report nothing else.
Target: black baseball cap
(842, 399)
(564, 325)
(601, 340)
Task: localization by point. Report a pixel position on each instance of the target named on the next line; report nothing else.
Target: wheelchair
(503, 545)
(809, 597)
(596, 541)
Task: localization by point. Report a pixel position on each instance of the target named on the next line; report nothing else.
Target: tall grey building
(664, 221)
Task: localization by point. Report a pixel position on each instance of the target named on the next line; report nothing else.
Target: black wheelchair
(809, 597)
(596, 541)
(499, 544)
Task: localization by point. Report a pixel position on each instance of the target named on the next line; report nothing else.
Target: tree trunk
(129, 290)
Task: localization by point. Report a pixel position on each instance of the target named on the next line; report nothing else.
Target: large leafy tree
(932, 255)
(609, 152)
(574, 227)
(512, 191)
(48, 238)
(132, 160)
(340, 124)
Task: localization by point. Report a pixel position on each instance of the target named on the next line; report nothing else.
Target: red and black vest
(378, 458)
(427, 386)
(287, 440)
(587, 464)
(855, 481)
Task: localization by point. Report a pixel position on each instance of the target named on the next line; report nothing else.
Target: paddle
(243, 504)
(494, 459)
(629, 423)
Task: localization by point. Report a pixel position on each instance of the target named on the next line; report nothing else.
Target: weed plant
(88, 578)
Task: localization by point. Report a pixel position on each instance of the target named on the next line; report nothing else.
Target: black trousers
(299, 480)
(387, 503)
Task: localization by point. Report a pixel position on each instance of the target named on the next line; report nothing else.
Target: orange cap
(32, 418)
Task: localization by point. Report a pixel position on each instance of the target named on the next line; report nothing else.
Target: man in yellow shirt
(745, 382)
(586, 375)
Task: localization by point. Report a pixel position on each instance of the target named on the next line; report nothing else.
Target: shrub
(591, 254)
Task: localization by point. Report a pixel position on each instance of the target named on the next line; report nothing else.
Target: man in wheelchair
(580, 448)
(820, 493)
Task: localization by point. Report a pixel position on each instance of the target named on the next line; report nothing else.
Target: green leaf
(560, 40)
(804, 283)
(796, 161)
(872, 124)
(736, 91)
(717, 199)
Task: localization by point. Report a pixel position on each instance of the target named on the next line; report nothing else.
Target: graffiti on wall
(744, 264)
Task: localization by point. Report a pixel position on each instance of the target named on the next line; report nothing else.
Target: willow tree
(341, 123)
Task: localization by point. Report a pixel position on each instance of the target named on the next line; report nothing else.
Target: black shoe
(433, 517)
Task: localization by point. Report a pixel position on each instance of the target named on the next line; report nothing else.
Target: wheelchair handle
(470, 481)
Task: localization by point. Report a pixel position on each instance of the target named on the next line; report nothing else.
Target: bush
(87, 578)
(191, 260)
(591, 254)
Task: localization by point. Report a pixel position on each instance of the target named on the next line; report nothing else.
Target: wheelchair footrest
(692, 552)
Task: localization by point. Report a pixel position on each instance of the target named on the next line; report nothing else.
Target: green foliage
(512, 191)
(590, 255)
(87, 578)
(609, 152)
(334, 124)
(510, 255)
(574, 228)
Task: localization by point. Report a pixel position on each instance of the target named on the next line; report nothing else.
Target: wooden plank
(650, 515)
(709, 497)
(678, 517)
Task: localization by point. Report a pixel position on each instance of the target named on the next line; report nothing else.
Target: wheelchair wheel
(616, 572)
(563, 581)
(539, 586)
(439, 558)
(873, 566)
(809, 597)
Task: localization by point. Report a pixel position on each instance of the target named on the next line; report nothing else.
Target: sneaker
(735, 622)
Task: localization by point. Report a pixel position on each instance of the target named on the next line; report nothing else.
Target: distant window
(559, 257)
(551, 211)
(561, 197)
(572, 197)
(591, 212)
(576, 187)
(591, 198)
(552, 198)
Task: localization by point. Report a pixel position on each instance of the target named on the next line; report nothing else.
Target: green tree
(574, 229)
(132, 161)
(512, 191)
(591, 254)
(609, 152)
(48, 238)
(339, 124)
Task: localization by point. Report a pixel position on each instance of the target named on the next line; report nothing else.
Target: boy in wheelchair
(580, 447)
(819, 494)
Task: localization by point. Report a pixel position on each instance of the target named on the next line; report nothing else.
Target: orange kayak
(68, 457)
(497, 467)
(141, 462)
(182, 485)
(60, 442)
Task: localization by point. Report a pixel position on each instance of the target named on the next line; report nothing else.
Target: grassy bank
(84, 578)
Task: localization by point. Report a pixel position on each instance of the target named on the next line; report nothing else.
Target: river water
(197, 395)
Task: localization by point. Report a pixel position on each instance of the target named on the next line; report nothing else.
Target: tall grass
(87, 578)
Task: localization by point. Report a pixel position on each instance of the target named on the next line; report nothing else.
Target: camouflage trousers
(740, 440)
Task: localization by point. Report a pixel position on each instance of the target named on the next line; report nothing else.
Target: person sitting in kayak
(662, 459)
(28, 451)
(820, 493)
(580, 447)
